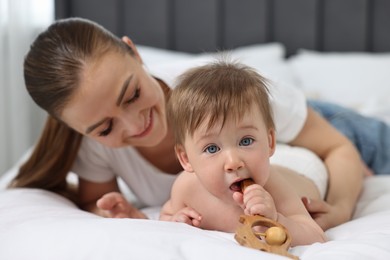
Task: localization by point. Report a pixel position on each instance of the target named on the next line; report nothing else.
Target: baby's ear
(183, 158)
(271, 141)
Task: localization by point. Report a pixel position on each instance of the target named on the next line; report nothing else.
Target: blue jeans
(370, 136)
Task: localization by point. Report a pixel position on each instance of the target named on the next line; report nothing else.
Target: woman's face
(118, 103)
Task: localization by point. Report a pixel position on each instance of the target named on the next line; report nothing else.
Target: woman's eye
(246, 141)
(134, 97)
(212, 149)
(108, 130)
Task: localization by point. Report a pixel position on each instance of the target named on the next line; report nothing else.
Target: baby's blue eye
(212, 149)
(246, 141)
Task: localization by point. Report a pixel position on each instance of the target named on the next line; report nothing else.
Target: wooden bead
(275, 236)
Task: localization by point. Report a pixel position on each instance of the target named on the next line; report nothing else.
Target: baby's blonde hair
(216, 91)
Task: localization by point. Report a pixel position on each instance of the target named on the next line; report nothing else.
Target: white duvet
(36, 224)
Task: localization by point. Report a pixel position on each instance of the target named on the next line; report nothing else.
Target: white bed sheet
(36, 224)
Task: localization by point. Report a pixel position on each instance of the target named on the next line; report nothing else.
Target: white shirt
(98, 163)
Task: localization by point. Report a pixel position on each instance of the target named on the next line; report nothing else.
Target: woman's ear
(271, 141)
(183, 158)
(130, 43)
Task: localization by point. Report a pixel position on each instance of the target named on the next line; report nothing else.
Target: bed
(319, 46)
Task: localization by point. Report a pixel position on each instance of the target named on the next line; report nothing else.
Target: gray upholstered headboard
(208, 25)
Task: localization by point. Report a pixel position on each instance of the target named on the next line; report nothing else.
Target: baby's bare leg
(303, 185)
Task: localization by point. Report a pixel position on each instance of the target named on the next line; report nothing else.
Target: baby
(224, 133)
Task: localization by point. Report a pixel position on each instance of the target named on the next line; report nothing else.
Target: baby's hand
(187, 215)
(256, 201)
(114, 205)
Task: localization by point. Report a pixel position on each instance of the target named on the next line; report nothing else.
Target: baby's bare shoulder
(186, 182)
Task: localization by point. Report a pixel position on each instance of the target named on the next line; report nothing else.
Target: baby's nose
(233, 162)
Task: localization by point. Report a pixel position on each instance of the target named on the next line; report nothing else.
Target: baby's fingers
(238, 197)
(188, 216)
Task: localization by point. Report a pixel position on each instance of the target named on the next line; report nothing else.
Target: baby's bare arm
(291, 212)
(176, 209)
(191, 203)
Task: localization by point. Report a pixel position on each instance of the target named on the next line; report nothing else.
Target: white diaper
(304, 162)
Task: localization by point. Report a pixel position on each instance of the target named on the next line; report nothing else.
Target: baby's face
(118, 103)
(221, 158)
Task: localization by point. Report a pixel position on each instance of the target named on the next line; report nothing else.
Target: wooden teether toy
(275, 239)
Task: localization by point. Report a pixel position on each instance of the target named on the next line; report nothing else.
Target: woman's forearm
(345, 180)
(343, 163)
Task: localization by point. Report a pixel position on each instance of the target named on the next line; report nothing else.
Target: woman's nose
(233, 161)
(132, 123)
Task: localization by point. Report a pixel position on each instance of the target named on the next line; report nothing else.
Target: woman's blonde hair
(52, 70)
(215, 92)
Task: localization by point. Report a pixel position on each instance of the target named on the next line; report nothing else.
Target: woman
(107, 119)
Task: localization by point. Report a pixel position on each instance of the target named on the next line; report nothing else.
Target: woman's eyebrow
(123, 90)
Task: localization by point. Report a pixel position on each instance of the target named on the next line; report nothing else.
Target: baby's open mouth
(237, 186)
(241, 185)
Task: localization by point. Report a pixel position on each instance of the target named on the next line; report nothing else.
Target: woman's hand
(326, 215)
(115, 205)
(367, 172)
(104, 199)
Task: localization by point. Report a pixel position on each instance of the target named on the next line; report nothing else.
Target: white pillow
(152, 55)
(266, 51)
(259, 52)
(267, 58)
(357, 80)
